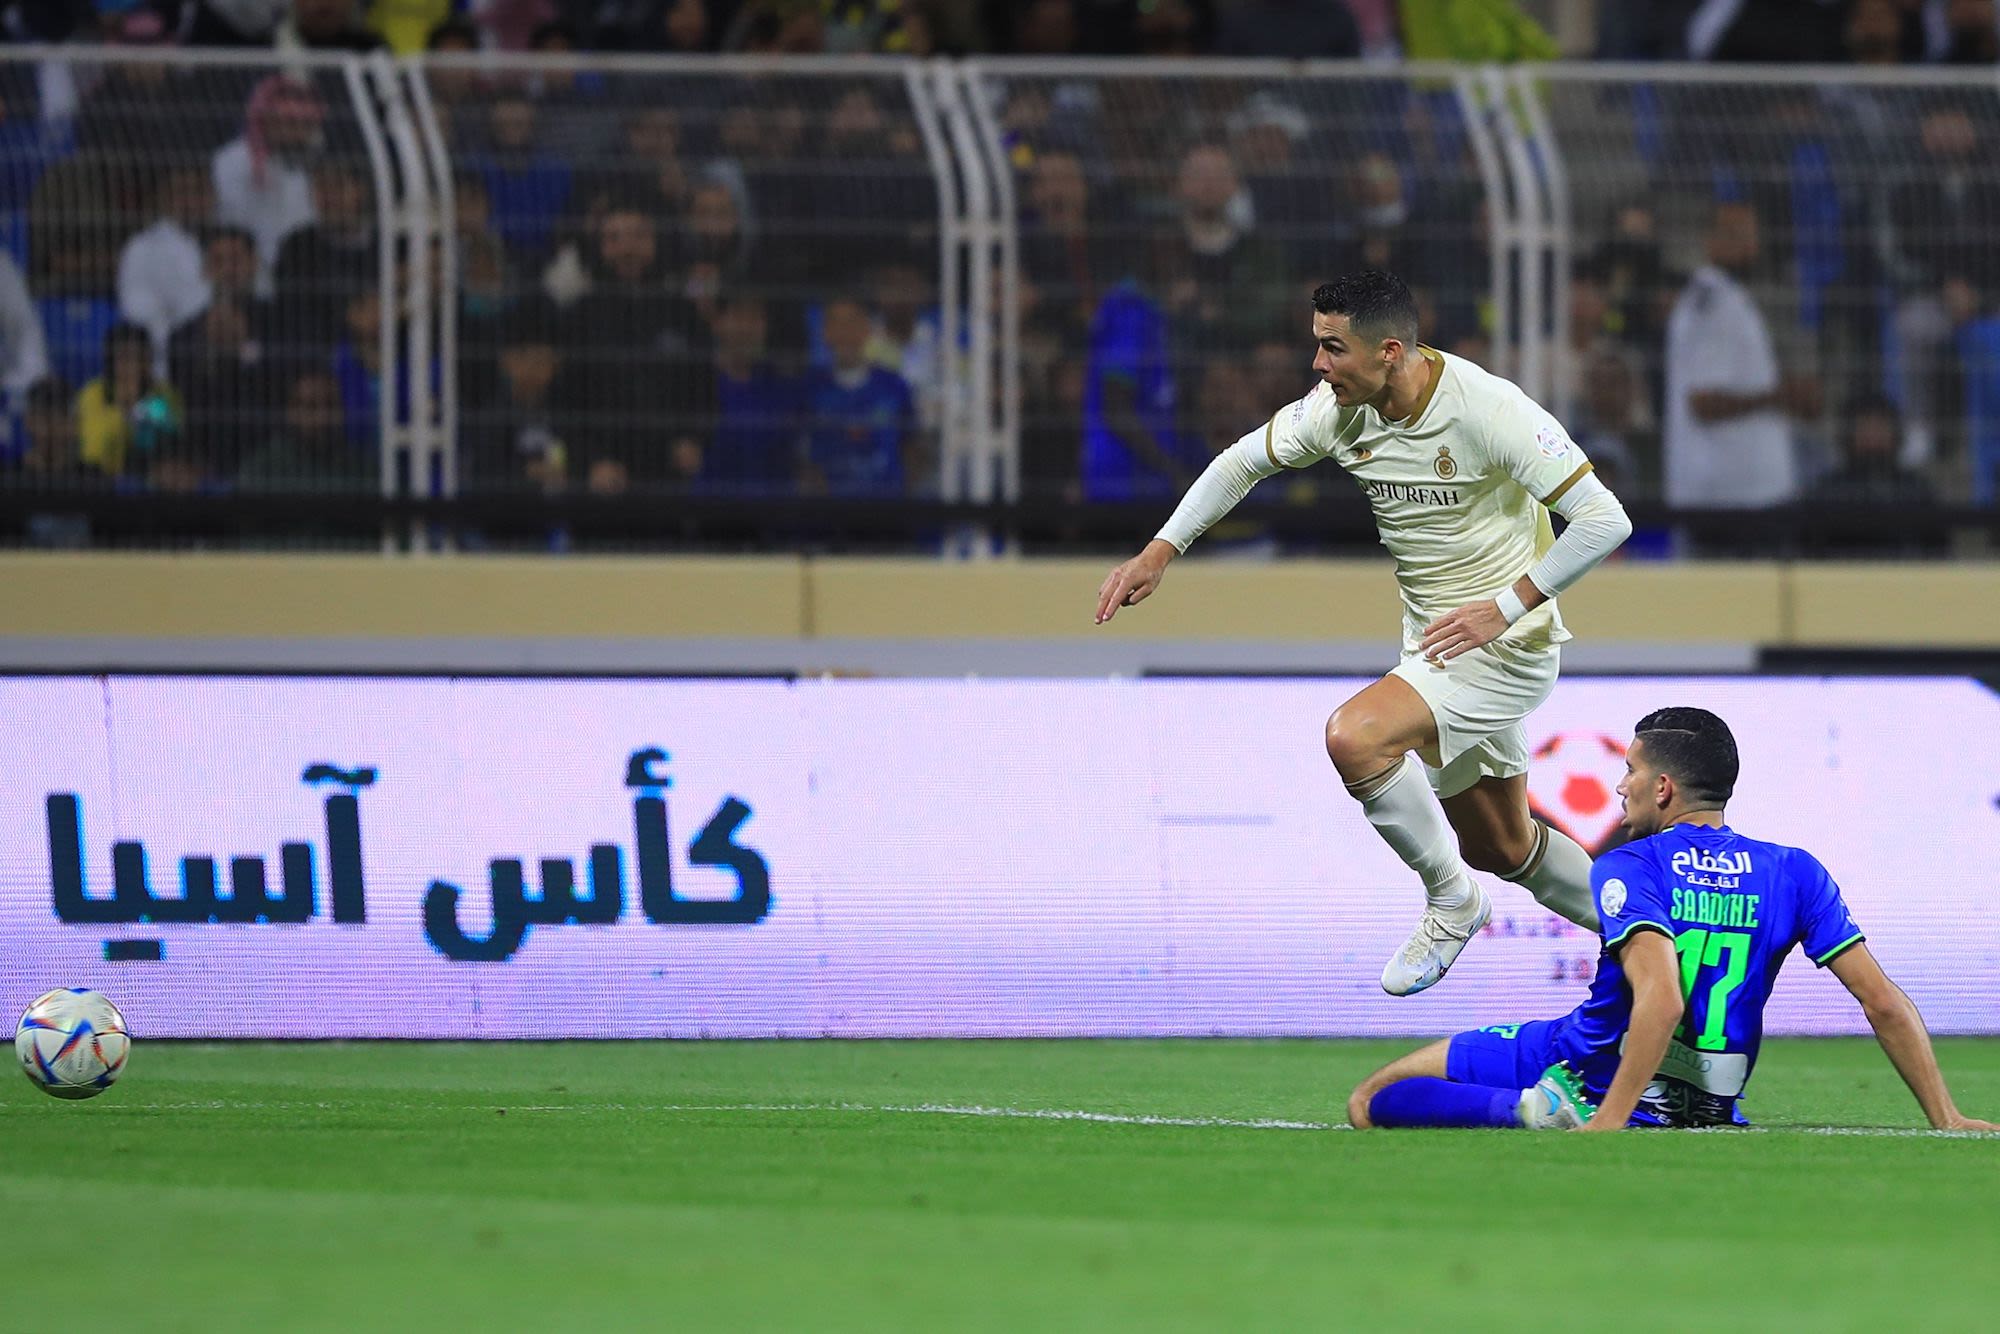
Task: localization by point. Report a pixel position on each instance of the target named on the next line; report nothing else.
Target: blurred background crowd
(1819, 31)
(725, 282)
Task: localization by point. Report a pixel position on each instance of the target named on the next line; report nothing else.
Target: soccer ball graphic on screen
(72, 1042)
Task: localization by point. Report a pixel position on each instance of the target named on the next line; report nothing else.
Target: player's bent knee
(1364, 1093)
(1356, 745)
(1496, 857)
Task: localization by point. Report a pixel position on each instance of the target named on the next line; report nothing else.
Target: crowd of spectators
(1940, 32)
(1328, 28)
(1800, 269)
(726, 284)
(734, 294)
(1916, 31)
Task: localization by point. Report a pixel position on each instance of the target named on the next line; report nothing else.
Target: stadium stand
(700, 276)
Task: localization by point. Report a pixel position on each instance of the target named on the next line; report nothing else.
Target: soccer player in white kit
(1461, 468)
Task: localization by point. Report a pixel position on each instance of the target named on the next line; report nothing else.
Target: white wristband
(1511, 605)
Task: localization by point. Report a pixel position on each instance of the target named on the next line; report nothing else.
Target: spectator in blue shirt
(757, 408)
(356, 367)
(860, 417)
(1130, 444)
(528, 187)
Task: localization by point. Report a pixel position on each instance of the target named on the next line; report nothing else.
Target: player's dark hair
(1696, 749)
(1376, 302)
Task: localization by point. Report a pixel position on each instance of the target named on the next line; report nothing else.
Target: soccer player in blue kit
(1697, 919)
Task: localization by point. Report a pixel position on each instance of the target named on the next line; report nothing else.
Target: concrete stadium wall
(697, 614)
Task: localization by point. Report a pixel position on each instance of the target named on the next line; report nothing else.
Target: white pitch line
(1224, 1122)
(917, 1109)
(1009, 1113)
(946, 1109)
(1113, 1118)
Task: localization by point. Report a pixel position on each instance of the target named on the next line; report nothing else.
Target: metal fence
(191, 274)
(1170, 227)
(1838, 239)
(721, 287)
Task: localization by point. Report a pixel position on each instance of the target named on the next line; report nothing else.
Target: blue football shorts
(1513, 1056)
(1504, 1056)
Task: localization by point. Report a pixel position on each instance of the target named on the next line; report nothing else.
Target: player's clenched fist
(1135, 580)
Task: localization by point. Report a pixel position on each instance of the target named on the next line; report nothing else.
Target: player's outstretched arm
(1227, 479)
(1134, 581)
(1900, 1030)
(1654, 973)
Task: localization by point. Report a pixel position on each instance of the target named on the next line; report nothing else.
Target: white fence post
(1531, 369)
(1551, 181)
(1006, 437)
(388, 222)
(1502, 225)
(980, 233)
(922, 82)
(406, 392)
(442, 428)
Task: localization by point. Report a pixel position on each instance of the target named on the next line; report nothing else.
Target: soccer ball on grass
(72, 1042)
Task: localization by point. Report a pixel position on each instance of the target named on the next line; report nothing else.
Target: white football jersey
(1459, 489)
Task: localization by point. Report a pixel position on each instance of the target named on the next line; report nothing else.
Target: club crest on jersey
(1446, 468)
(1571, 788)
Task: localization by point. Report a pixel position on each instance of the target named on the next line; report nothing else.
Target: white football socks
(1398, 802)
(1557, 873)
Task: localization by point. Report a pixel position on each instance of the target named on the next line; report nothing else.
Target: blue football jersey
(1734, 908)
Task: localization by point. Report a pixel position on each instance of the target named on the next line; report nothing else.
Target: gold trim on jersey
(1270, 427)
(1568, 482)
(1435, 358)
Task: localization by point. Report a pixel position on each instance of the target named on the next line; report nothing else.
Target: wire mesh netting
(1785, 289)
(613, 279)
(717, 283)
(188, 280)
(1172, 230)
(720, 283)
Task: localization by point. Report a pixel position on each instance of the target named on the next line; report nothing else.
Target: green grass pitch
(789, 1185)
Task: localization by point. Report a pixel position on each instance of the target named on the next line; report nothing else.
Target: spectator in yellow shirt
(127, 415)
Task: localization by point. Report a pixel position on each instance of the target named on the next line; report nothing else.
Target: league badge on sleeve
(1552, 442)
(1614, 897)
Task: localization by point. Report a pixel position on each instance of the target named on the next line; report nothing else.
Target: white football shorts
(1480, 700)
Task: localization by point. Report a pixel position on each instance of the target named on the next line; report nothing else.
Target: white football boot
(1431, 949)
(1556, 1102)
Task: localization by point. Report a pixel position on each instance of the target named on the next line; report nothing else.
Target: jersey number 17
(1700, 949)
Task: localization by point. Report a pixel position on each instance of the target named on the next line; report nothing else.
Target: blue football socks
(1440, 1103)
